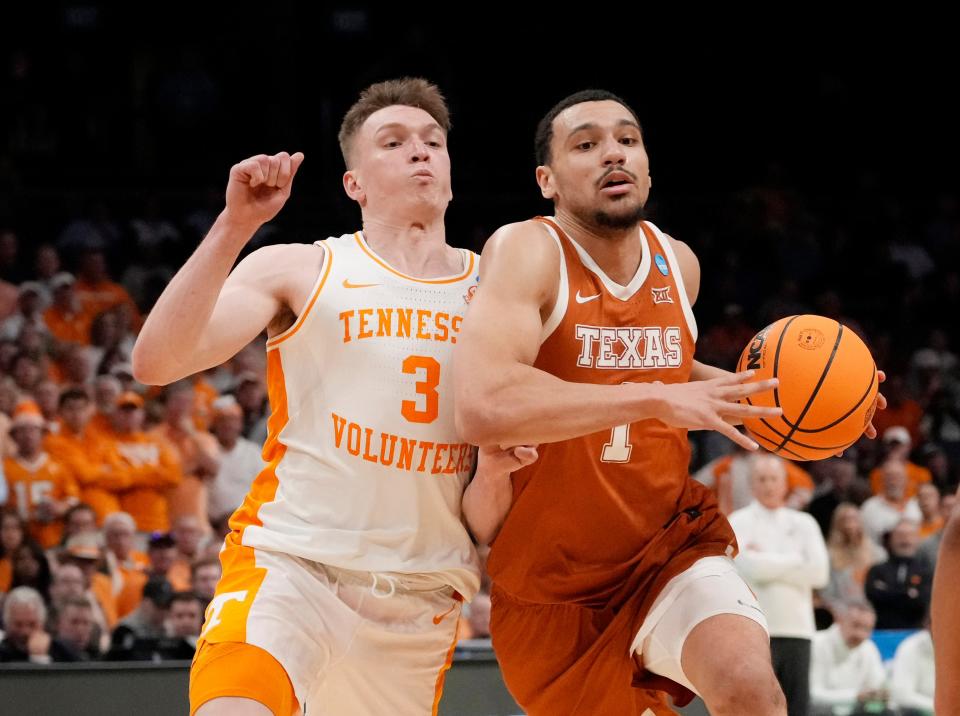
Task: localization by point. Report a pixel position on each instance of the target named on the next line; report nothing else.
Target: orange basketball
(828, 386)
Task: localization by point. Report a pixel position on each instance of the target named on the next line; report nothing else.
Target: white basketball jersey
(365, 470)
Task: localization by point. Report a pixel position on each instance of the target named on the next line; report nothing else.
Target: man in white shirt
(846, 667)
(240, 461)
(881, 513)
(783, 558)
(912, 676)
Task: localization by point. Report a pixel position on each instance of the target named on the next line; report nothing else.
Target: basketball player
(945, 620)
(610, 549)
(348, 561)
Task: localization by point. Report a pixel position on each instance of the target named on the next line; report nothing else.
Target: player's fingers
(735, 378)
(744, 389)
(273, 171)
(735, 435)
(295, 161)
(881, 401)
(750, 411)
(881, 376)
(283, 176)
(871, 431)
(525, 454)
(249, 171)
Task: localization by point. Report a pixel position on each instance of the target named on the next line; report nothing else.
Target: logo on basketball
(810, 339)
(755, 350)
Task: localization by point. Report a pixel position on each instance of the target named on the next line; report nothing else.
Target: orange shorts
(240, 670)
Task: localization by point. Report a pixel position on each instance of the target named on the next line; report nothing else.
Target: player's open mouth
(616, 183)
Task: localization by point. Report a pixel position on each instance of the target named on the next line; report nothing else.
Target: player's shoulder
(529, 239)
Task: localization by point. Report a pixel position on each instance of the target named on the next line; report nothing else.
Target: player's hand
(871, 431)
(708, 404)
(260, 186)
(494, 460)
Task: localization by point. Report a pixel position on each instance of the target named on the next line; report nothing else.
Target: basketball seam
(813, 395)
(843, 417)
(776, 360)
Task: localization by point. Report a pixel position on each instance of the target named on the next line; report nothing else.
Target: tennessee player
(609, 549)
(346, 565)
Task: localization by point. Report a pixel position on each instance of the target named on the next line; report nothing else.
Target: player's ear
(351, 185)
(546, 182)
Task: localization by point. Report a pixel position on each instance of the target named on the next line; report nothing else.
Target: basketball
(828, 386)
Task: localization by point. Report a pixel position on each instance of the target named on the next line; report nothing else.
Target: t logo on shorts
(217, 604)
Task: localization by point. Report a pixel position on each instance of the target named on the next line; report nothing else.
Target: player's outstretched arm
(945, 620)
(501, 399)
(203, 317)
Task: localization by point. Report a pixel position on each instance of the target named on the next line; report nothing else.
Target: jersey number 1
(619, 447)
(426, 387)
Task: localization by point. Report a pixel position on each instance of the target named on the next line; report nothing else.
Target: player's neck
(618, 252)
(416, 248)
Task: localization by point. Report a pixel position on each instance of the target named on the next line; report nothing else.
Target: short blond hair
(406, 91)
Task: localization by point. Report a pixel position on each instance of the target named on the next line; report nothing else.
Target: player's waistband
(385, 584)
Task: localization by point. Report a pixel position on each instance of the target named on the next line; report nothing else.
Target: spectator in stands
(846, 668)
(183, 626)
(76, 371)
(841, 484)
(896, 447)
(882, 512)
(66, 320)
(729, 477)
(127, 567)
(783, 557)
(106, 390)
(899, 588)
(29, 311)
(151, 463)
(852, 554)
(145, 624)
(928, 500)
(162, 555)
(930, 547)
(97, 292)
(78, 519)
(70, 583)
(13, 531)
(26, 638)
(912, 675)
(41, 487)
(901, 410)
(188, 536)
(84, 551)
(251, 395)
(76, 629)
(204, 575)
(46, 394)
(11, 262)
(25, 371)
(197, 451)
(240, 462)
(98, 469)
(31, 568)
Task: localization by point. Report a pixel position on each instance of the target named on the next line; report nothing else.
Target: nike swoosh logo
(752, 606)
(347, 284)
(585, 299)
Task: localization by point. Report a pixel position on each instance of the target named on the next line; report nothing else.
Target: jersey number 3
(426, 387)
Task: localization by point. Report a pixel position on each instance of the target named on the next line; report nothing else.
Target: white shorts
(353, 643)
(710, 586)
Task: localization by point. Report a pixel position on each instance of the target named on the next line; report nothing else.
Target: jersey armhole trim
(678, 278)
(563, 291)
(305, 311)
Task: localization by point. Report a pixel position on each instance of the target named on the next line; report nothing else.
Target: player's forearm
(529, 406)
(486, 503)
(176, 324)
(945, 621)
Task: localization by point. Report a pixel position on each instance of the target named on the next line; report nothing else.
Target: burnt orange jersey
(585, 511)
